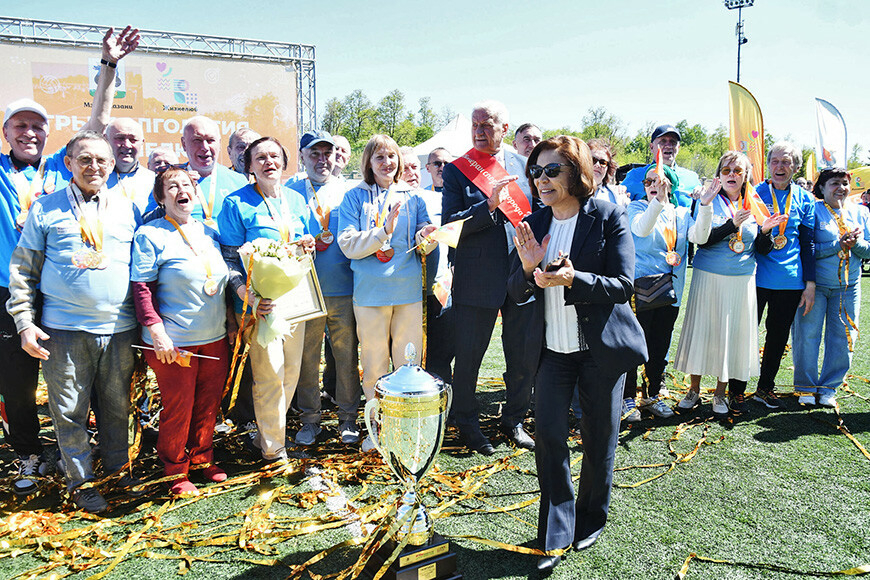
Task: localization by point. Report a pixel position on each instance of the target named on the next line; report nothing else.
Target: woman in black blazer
(576, 257)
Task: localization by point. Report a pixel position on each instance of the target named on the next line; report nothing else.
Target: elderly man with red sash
(487, 188)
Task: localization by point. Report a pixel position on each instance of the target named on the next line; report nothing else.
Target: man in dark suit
(481, 268)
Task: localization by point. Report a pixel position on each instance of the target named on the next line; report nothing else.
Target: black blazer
(603, 257)
(481, 262)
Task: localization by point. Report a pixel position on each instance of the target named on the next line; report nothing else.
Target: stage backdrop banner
(746, 128)
(158, 90)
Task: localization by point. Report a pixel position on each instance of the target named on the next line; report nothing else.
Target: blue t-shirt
(781, 269)
(56, 176)
(719, 258)
(225, 181)
(191, 317)
(827, 242)
(135, 186)
(689, 180)
(245, 217)
(398, 281)
(333, 267)
(90, 300)
(650, 251)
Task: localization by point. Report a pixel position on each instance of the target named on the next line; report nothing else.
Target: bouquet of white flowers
(275, 268)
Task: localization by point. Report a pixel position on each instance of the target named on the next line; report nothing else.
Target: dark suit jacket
(603, 257)
(480, 261)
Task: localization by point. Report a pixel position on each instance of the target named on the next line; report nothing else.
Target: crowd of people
(99, 253)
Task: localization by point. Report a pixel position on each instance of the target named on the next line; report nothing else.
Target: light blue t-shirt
(90, 300)
(226, 182)
(333, 267)
(136, 186)
(781, 269)
(398, 281)
(719, 258)
(56, 176)
(245, 217)
(650, 251)
(191, 317)
(689, 180)
(827, 238)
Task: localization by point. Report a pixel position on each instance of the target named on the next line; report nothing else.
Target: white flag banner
(831, 148)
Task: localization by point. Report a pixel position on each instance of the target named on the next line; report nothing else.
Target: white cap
(22, 105)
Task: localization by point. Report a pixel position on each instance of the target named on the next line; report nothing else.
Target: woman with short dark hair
(576, 258)
(842, 233)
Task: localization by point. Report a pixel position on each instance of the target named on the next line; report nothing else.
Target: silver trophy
(407, 418)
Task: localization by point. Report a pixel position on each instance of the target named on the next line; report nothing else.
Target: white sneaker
(307, 435)
(690, 401)
(349, 432)
(720, 405)
(827, 399)
(657, 407)
(629, 411)
(807, 399)
(368, 445)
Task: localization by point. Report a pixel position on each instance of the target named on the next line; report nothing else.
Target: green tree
(390, 112)
(426, 114)
(359, 116)
(598, 123)
(333, 117)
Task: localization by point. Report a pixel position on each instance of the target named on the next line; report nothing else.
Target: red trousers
(191, 399)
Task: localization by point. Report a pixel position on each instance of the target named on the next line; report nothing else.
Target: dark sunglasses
(600, 161)
(728, 171)
(174, 166)
(648, 182)
(551, 169)
(438, 163)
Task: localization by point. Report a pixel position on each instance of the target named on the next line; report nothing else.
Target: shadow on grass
(788, 426)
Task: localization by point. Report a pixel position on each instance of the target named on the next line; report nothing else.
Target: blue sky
(644, 61)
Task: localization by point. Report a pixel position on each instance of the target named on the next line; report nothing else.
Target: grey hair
(494, 109)
(786, 148)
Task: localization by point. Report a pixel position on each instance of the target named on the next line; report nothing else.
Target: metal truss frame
(300, 56)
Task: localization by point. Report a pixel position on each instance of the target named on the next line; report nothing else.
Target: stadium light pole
(739, 5)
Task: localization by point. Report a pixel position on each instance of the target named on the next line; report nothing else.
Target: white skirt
(719, 336)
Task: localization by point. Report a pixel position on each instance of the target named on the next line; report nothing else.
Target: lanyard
(27, 192)
(128, 194)
(732, 208)
(278, 217)
(92, 233)
(205, 260)
(208, 203)
(783, 225)
(323, 212)
(383, 207)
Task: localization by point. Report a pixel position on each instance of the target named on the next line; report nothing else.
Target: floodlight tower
(738, 31)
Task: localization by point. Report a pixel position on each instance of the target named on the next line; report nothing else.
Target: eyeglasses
(87, 161)
(162, 168)
(551, 169)
(438, 163)
(648, 182)
(600, 161)
(729, 171)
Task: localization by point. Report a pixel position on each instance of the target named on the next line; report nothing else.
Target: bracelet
(108, 64)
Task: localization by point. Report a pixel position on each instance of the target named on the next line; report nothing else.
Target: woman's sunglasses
(729, 171)
(551, 169)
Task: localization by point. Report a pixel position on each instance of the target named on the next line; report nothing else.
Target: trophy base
(431, 561)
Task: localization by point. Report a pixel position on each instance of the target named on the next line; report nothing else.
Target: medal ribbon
(92, 234)
(384, 208)
(128, 194)
(670, 232)
(277, 217)
(205, 261)
(783, 225)
(321, 210)
(35, 186)
(843, 276)
(208, 204)
(732, 208)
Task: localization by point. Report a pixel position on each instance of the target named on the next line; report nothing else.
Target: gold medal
(385, 255)
(82, 258)
(843, 254)
(326, 237)
(210, 287)
(673, 259)
(98, 260)
(737, 246)
(779, 242)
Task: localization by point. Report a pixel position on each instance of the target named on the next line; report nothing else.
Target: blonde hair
(375, 143)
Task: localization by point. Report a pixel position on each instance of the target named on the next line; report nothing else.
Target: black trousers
(561, 519)
(440, 340)
(658, 325)
(521, 360)
(19, 373)
(781, 308)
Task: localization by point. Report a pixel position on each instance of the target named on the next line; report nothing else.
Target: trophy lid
(409, 380)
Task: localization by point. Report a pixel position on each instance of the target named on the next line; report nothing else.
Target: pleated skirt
(719, 336)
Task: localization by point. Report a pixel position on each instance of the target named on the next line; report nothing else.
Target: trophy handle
(371, 409)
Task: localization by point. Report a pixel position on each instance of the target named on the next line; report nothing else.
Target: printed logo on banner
(180, 88)
(120, 78)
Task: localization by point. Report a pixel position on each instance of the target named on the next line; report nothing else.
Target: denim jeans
(79, 363)
(807, 337)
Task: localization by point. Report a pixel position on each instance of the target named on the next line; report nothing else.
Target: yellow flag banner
(812, 170)
(746, 128)
(860, 179)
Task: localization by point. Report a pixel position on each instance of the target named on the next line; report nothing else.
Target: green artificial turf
(784, 489)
